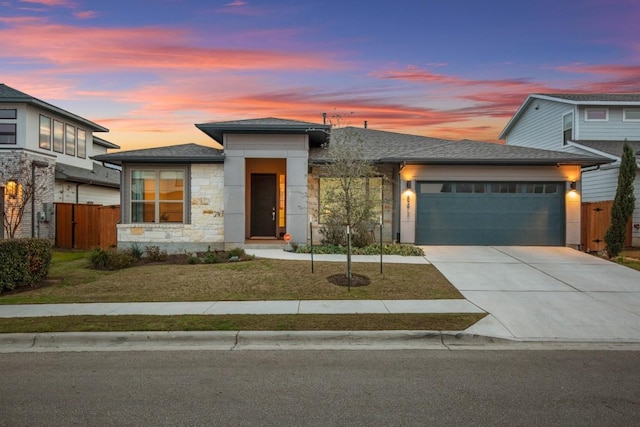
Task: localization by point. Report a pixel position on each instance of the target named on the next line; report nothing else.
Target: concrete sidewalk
(242, 307)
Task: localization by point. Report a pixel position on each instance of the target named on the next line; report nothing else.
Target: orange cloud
(64, 3)
(76, 49)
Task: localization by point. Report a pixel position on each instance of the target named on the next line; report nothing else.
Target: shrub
(136, 251)
(211, 258)
(154, 253)
(110, 259)
(387, 249)
(237, 252)
(23, 262)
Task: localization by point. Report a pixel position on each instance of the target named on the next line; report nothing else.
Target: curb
(283, 340)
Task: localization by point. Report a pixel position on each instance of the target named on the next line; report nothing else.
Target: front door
(263, 205)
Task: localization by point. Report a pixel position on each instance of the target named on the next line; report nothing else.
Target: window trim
(186, 195)
(624, 114)
(591, 109)
(46, 146)
(13, 133)
(60, 127)
(566, 140)
(67, 128)
(83, 154)
(15, 113)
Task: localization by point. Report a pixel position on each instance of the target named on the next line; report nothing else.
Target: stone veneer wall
(206, 229)
(16, 165)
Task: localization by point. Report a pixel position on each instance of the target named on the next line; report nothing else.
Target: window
(82, 143)
(157, 195)
(567, 128)
(596, 114)
(70, 139)
(8, 113)
(631, 115)
(331, 191)
(45, 132)
(7, 133)
(58, 136)
(435, 187)
(8, 130)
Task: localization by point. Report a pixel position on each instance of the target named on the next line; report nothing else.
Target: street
(321, 388)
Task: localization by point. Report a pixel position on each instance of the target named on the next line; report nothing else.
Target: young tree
(623, 203)
(347, 196)
(23, 179)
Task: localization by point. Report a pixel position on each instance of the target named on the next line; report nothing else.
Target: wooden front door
(263, 205)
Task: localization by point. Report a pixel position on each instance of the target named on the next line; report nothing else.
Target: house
(587, 124)
(45, 159)
(268, 180)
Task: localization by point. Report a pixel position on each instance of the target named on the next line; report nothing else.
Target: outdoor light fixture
(408, 185)
(12, 189)
(573, 186)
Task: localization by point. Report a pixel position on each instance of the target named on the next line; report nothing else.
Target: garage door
(490, 213)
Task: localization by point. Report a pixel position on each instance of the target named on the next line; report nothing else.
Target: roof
(185, 153)
(216, 130)
(11, 95)
(613, 148)
(100, 175)
(390, 147)
(104, 143)
(611, 99)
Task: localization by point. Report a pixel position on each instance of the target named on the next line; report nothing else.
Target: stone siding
(206, 228)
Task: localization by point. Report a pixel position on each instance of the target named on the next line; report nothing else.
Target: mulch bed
(342, 280)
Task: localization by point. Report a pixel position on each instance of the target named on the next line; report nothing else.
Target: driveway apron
(544, 293)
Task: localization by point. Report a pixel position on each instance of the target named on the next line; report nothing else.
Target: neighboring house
(590, 124)
(268, 180)
(46, 151)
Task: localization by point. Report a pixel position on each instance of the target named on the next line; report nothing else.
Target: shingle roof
(104, 143)
(216, 130)
(611, 147)
(392, 147)
(100, 175)
(595, 97)
(185, 153)
(11, 95)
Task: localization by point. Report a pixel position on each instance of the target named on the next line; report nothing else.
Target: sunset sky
(149, 69)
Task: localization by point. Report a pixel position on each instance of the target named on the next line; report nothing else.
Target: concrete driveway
(544, 293)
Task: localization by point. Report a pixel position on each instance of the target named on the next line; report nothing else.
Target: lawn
(72, 280)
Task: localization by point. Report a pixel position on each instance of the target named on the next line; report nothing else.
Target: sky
(458, 69)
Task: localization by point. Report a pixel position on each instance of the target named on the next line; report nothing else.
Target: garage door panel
(490, 218)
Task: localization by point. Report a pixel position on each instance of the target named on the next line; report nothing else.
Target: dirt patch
(342, 280)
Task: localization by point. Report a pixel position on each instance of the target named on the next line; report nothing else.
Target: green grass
(71, 280)
(284, 322)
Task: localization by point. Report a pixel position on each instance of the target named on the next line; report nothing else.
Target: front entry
(263, 205)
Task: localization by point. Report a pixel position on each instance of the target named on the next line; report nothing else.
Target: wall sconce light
(573, 186)
(11, 189)
(408, 185)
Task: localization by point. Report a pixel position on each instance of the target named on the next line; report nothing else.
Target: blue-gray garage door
(490, 213)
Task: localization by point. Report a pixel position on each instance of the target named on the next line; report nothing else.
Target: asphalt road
(354, 388)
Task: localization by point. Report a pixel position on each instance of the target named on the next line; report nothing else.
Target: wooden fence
(86, 226)
(596, 218)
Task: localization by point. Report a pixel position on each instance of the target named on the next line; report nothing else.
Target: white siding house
(594, 124)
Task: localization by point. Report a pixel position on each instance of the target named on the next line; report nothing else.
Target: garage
(490, 213)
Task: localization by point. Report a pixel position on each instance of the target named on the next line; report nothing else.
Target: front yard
(72, 281)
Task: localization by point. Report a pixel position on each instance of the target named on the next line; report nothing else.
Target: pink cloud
(102, 49)
(65, 3)
(87, 14)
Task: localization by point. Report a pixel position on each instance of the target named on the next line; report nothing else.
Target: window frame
(81, 149)
(593, 109)
(186, 196)
(624, 114)
(9, 133)
(45, 143)
(57, 126)
(565, 139)
(67, 143)
(15, 114)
